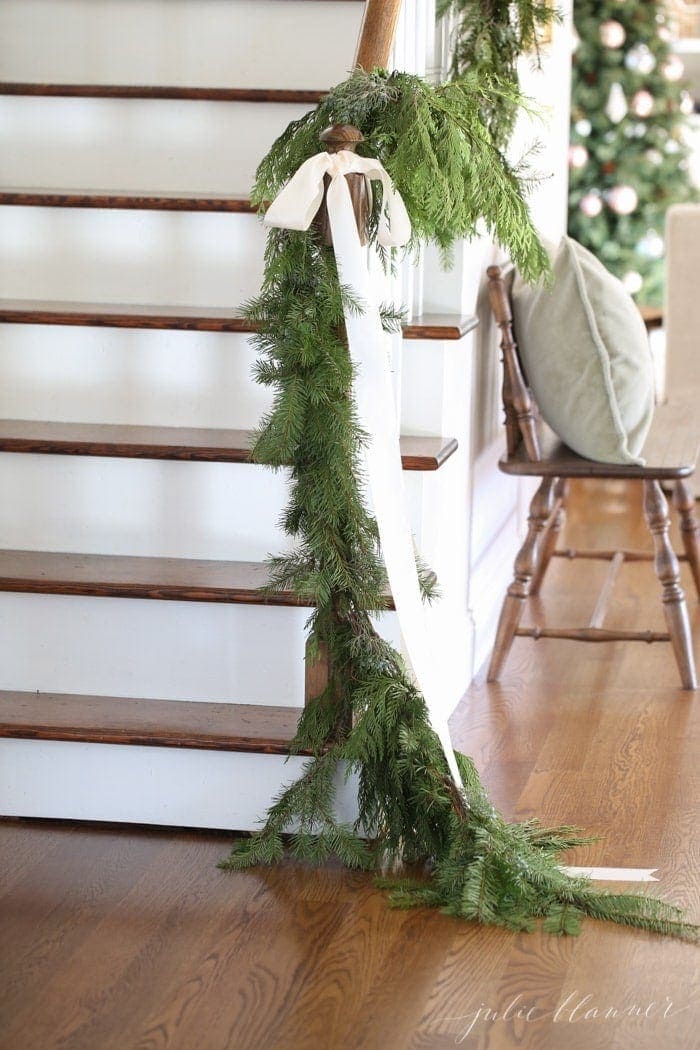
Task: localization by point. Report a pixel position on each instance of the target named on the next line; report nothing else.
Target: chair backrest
(518, 403)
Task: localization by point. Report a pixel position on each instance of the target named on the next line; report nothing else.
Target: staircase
(160, 107)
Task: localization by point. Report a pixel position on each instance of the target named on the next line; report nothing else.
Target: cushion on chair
(585, 352)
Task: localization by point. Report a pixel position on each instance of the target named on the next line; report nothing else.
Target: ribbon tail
(612, 874)
(394, 230)
(374, 400)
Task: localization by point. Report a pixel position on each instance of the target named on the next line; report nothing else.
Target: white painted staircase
(133, 530)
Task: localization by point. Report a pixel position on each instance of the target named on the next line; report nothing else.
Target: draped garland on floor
(371, 720)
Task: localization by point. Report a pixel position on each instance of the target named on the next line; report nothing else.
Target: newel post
(335, 139)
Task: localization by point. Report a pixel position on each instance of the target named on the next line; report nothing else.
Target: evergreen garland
(489, 38)
(371, 720)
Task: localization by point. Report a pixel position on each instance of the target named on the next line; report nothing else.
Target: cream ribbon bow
(294, 209)
(296, 205)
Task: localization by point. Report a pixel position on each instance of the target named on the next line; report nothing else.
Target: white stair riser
(188, 258)
(137, 145)
(110, 375)
(207, 789)
(211, 43)
(150, 508)
(159, 649)
(199, 651)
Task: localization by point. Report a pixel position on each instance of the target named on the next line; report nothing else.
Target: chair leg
(673, 598)
(690, 530)
(550, 540)
(525, 565)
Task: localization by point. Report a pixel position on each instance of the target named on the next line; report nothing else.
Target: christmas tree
(628, 162)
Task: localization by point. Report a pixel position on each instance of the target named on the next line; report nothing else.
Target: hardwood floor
(113, 939)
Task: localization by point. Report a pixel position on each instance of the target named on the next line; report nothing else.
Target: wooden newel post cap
(335, 138)
(341, 136)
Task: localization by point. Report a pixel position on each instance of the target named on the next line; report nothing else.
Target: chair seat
(670, 451)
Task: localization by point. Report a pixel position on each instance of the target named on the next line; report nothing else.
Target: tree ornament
(672, 146)
(640, 59)
(578, 156)
(622, 199)
(654, 156)
(583, 128)
(665, 34)
(687, 104)
(651, 246)
(616, 106)
(591, 204)
(642, 103)
(633, 282)
(612, 34)
(673, 68)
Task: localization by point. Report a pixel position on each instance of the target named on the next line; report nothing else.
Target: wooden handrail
(377, 33)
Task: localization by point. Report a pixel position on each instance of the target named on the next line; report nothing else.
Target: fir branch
(489, 38)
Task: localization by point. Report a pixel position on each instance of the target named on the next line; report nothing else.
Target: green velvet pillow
(586, 355)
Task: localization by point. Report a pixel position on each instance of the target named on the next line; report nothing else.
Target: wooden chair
(533, 450)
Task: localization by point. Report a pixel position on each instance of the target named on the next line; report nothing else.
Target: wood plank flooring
(121, 938)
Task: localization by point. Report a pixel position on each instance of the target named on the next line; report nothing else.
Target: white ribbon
(294, 208)
(612, 874)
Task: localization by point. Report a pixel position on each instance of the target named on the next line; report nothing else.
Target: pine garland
(371, 720)
(489, 38)
(442, 157)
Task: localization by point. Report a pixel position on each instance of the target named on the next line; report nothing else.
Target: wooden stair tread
(137, 200)
(670, 450)
(149, 723)
(177, 443)
(190, 318)
(440, 326)
(122, 576)
(160, 91)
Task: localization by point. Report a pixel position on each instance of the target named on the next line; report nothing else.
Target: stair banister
(377, 33)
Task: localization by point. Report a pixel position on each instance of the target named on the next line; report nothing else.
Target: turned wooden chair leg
(551, 538)
(690, 530)
(667, 570)
(525, 565)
